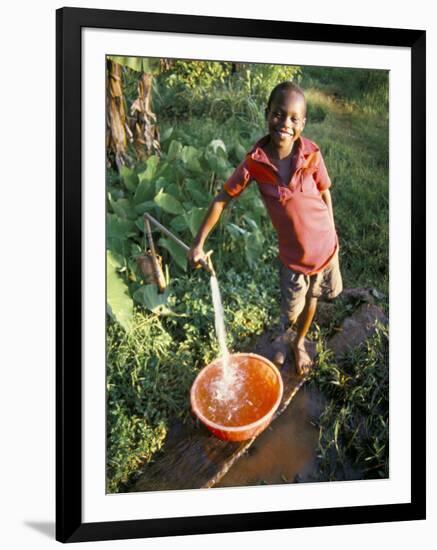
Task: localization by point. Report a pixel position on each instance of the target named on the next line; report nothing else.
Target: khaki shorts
(295, 287)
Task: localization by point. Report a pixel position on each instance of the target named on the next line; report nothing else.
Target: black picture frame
(69, 524)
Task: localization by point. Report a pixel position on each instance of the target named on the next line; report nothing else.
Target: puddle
(285, 449)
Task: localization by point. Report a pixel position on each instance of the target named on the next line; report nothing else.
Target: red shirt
(306, 234)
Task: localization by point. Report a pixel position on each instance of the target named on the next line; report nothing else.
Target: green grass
(354, 141)
(353, 427)
(151, 369)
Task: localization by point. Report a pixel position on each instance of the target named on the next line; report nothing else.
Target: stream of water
(220, 325)
(227, 386)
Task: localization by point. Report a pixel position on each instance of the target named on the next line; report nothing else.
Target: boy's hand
(196, 254)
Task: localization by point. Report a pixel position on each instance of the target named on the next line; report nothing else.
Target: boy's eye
(278, 114)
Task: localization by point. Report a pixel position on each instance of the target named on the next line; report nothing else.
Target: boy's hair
(286, 86)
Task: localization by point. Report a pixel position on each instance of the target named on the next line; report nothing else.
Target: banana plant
(139, 127)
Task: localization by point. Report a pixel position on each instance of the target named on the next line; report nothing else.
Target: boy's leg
(329, 284)
(294, 287)
(303, 361)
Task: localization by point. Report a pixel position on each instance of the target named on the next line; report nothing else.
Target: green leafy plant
(175, 189)
(120, 305)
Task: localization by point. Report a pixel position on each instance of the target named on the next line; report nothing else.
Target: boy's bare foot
(302, 360)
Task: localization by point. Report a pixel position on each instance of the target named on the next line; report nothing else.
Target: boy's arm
(215, 210)
(326, 196)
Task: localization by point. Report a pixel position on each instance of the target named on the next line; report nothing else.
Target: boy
(294, 185)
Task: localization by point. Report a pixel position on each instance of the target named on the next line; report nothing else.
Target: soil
(283, 451)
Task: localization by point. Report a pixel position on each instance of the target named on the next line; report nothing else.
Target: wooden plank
(193, 458)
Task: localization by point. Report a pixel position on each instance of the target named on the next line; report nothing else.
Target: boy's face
(286, 118)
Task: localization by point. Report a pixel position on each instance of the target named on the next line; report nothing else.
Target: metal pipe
(202, 262)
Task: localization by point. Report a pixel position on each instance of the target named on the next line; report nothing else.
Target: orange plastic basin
(243, 405)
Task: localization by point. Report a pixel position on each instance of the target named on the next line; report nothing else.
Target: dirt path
(282, 452)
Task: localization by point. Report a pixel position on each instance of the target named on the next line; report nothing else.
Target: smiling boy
(294, 185)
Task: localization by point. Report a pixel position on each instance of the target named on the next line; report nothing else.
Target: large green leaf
(194, 219)
(175, 191)
(166, 134)
(198, 192)
(168, 203)
(235, 230)
(227, 172)
(166, 170)
(117, 227)
(122, 207)
(253, 225)
(130, 179)
(151, 165)
(240, 151)
(177, 252)
(118, 230)
(190, 157)
(160, 184)
(145, 192)
(217, 163)
(148, 296)
(178, 223)
(116, 192)
(218, 147)
(119, 303)
(146, 206)
(174, 150)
